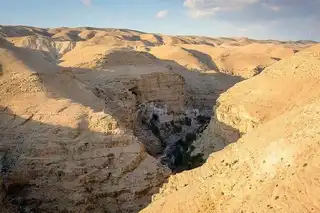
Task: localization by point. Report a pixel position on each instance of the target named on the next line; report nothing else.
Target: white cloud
(203, 8)
(162, 14)
(87, 2)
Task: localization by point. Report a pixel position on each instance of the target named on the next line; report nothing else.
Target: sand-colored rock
(152, 39)
(50, 48)
(274, 166)
(235, 56)
(81, 108)
(69, 154)
(245, 60)
(181, 56)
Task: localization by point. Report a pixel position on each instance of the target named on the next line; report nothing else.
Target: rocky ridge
(274, 165)
(90, 163)
(82, 109)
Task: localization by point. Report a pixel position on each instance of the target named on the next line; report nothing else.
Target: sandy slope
(67, 152)
(244, 60)
(77, 46)
(274, 167)
(71, 96)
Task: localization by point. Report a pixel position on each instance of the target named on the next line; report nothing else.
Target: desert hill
(236, 56)
(272, 164)
(96, 120)
(87, 145)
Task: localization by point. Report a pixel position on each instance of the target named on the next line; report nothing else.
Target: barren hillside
(272, 164)
(77, 46)
(117, 120)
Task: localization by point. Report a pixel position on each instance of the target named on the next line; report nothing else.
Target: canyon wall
(81, 110)
(60, 148)
(273, 166)
(166, 87)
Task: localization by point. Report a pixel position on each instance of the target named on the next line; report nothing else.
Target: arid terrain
(116, 120)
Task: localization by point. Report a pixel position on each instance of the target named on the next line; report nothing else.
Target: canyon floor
(117, 120)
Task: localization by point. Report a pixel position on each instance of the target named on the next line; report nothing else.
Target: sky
(260, 19)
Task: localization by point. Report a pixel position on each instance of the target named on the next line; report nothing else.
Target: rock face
(52, 49)
(246, 106)
(112, 47)
(123, 93)
(274, 166)
(60, 149)
(81, 169)
(81, 109)
(166, 87)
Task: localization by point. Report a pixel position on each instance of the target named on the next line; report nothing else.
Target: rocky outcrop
(168, 88)
(123, 93)
(76, 138)
(67, 152)
(274, 164)
(246, 106)
(52, 49)
(82, 166)
(126, 97)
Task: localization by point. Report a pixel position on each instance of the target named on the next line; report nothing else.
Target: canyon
(117, 120)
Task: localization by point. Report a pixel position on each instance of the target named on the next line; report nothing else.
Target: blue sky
(262, 19)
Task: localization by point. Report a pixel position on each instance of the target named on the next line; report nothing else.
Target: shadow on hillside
(222, 136)
(77, 166)
(62, 81)
(88, 87)
(204, 58)
(203, 88)
(66, 85)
